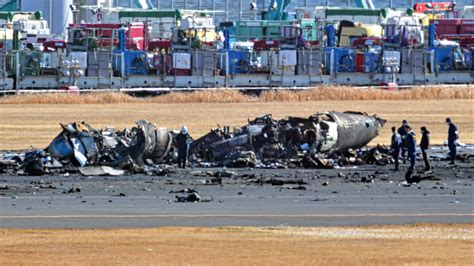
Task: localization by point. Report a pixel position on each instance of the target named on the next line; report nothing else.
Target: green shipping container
(271, 30)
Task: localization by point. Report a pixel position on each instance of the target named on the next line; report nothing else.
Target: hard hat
(184, 130)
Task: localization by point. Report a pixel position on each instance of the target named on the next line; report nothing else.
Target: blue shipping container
(238, 63)
(371, 62)
(135, 62)
(344, 59)
(444, 60)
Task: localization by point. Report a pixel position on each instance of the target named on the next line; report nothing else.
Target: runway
(327, 198)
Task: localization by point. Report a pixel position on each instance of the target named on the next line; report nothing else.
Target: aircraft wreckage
(321, 140)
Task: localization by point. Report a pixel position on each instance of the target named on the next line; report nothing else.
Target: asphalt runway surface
(362, 195)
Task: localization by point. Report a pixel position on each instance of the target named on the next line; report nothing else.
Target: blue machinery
(337, 59)
(129, 62)
(443, 57)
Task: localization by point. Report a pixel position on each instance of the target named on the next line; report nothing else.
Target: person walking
(424, 146)
(452, 139)
(182, 140)
(395, 147)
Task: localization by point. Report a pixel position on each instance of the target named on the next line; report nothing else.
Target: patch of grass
(355, 94)
(419, 244)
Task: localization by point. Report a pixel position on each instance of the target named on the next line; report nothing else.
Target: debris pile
(323, 140)
(81, 148)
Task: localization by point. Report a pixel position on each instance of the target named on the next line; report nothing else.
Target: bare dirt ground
(26, 125)
(373, 245)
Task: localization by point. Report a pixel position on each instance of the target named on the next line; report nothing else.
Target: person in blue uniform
(395, 146)
(182, 141)
(424, 146)
(401, 131)
(452, 139)
(410, 144)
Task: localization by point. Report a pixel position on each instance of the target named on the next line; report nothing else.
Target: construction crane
(277, 10)
(9, 6)
(144, 4)
(367, 4)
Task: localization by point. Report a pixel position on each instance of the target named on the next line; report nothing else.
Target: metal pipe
(240, 10)
(50, 14)
(226, 10)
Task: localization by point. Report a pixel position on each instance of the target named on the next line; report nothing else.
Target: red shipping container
(159, 44)
(446, 26)
(467, 42)
(265, 45)
(359, 62)
(136, 36)
(182, 72)
(467, 27)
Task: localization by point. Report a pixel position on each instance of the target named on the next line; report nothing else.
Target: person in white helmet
(182, 140)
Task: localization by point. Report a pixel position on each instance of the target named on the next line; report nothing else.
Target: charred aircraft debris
(314, 142)
(322, 140)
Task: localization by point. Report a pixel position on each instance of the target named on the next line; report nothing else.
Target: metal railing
(240, 9)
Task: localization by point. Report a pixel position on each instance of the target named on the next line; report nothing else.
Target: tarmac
(355, 195)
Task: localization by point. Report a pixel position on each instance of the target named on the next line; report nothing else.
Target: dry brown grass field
(375, 245)
(25, 125)
(322, 93)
